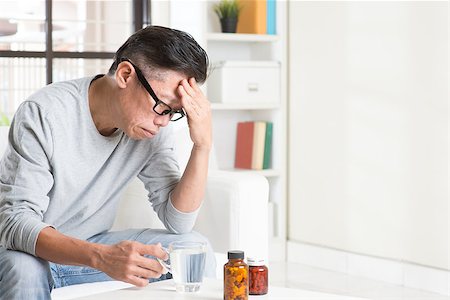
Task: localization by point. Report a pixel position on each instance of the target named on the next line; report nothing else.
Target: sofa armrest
(234, 214)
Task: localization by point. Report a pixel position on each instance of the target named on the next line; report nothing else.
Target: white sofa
(233, 216)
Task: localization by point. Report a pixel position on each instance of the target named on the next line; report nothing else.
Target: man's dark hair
(157, 47)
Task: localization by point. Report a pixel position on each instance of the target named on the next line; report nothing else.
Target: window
(43, 41)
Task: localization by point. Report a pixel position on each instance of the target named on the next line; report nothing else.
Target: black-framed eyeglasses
(160, 107)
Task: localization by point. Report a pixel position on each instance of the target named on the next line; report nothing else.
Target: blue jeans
(23, 276)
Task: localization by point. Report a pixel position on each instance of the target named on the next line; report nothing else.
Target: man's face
(143, 114)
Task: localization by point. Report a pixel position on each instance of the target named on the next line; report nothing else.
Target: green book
(268, 145)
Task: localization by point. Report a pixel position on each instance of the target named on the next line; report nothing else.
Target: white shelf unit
(244, 106)
(203, 24)
(252, 47)
(242, 37)
(266, 172)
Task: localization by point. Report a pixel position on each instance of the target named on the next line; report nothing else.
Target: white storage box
(244, 82)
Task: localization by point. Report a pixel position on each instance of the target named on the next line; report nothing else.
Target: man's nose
(162, 120)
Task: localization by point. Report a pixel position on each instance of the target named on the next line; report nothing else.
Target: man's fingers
(187, 87)
(155, 250)
(186, 100)
(137, 281)
(193, 84)
(140, 274)
(149, 267)
(150, 264)
(183, 94)
(129, 262)
(192, 105)
(148, 272)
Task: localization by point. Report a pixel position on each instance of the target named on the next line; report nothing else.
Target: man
(73, 148)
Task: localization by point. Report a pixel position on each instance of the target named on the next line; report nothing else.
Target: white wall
(368, 138)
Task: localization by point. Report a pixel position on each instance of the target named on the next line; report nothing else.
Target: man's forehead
(170, 99)
(166, 89)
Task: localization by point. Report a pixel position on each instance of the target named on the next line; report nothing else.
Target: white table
(210, 289)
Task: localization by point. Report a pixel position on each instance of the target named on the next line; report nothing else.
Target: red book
(244, 145)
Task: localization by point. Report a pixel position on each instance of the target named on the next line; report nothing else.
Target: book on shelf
(253, 17)
(268, 145)
(259, 135)
(271, 17)
(244, 145)
(253, 145)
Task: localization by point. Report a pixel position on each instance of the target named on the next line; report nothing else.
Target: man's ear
(123, 74)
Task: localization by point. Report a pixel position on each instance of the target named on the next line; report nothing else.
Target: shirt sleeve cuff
(31, 241)
(180, 222)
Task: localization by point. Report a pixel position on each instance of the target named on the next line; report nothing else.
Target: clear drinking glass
(187, 264)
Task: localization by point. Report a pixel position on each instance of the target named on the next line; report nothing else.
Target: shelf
(244, 106)
(248, 49)
(241, 37)
(266, 173)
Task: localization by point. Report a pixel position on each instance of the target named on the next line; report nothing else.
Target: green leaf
(227, 9)
(4, 121)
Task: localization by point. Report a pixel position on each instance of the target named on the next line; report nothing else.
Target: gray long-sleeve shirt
(59, 171)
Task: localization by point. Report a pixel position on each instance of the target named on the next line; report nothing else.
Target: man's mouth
(148, 133)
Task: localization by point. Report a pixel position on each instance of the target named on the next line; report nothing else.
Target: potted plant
(228, 13)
